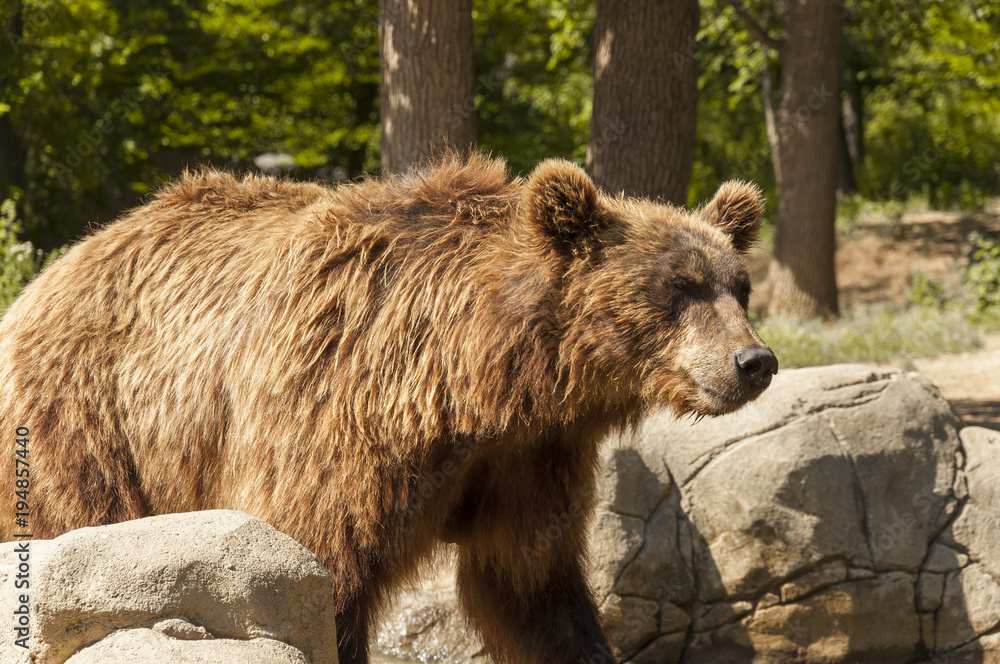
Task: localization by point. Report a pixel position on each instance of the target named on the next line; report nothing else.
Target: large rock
(811, 513)
(969, 557)
(215, 586)
(151, 646)
(840, 517)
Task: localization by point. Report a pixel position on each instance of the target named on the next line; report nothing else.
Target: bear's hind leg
(554, 622)
(74, 487)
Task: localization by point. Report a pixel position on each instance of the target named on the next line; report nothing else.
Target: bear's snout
(755, 366)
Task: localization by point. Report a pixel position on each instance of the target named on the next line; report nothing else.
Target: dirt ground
(970, 381)
(875, 264)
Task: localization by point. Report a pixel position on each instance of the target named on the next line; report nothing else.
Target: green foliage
(534, 80)
(929, 78)
(926, 291)
(854, 209)
(731, 140)
(106, 94)
(927, 75)
(870, 336)
(107, 97)
(19, 260)
(981, 279)
(979, 299)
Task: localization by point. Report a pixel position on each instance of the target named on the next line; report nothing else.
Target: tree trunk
(850, 132)
(802, 270)
(428, 100)
(851, 114)
(642, 130)
(846, 182)
(770, 119)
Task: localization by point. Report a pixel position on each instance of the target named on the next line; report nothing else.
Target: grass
(872, 336)
(935, 322)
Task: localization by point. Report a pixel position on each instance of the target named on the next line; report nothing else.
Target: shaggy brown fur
(379, 367)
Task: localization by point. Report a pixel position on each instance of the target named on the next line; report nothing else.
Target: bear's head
(654, 297)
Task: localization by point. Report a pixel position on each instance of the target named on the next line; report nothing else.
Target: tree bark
(846, 182)
(802, 270)
(851, 112)
(770, 118)
(642, 129)
(428, 101)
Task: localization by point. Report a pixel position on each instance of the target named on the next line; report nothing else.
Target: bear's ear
(737, 209)
(562, 201)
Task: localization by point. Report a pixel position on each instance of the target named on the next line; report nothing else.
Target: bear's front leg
(352, 636)
(550, 620)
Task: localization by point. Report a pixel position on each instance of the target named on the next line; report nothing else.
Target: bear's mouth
(714, 402)
(690, 394)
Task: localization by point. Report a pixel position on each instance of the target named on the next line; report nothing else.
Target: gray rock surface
(425, 622)
(149, 646)
(841, 517)
(215, 586)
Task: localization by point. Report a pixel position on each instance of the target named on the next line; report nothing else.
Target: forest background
(103, 100)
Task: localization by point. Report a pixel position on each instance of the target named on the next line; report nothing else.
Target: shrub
(19, 260)
(981, 279)
(926, 291)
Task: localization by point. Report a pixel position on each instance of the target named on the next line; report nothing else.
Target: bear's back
(276, 296)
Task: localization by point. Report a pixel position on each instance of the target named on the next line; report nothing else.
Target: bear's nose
(755, 366)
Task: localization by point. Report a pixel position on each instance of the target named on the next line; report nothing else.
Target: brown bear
(380, 367)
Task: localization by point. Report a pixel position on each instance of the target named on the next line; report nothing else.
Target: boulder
(967, 554)
(151, 646)
(214, 586)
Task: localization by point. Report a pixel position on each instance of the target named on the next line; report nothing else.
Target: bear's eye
(743, 294)
(682, 283)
